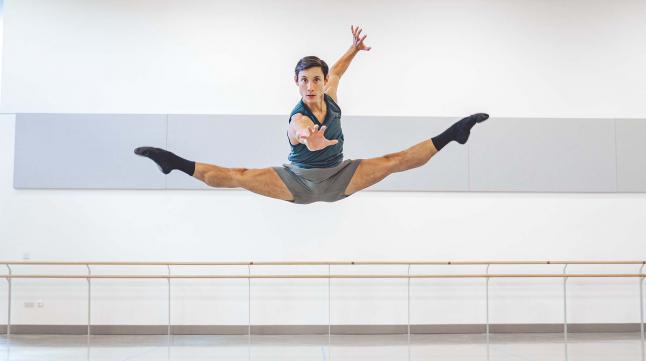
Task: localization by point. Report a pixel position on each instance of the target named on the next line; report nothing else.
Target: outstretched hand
(314, 138)
(357, 41)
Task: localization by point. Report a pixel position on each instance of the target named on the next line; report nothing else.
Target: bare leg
(263, 181)
(373, 170)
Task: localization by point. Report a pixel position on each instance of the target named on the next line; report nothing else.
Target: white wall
(514, 58)
(537, 59)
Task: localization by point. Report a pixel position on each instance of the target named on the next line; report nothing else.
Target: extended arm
(302, 130)
(343, 63)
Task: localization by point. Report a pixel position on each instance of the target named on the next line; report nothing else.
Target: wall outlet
(29, 304)
(40, 304)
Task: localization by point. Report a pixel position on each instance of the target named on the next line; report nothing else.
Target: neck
(317, 105)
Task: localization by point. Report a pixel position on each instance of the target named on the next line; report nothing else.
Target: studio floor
(445, 347)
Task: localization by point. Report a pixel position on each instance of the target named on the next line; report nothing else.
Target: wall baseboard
(315, 329)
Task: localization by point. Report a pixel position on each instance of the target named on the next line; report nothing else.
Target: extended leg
(263, 181)
(373, 170)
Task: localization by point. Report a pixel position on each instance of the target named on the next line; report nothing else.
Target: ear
(296, 79)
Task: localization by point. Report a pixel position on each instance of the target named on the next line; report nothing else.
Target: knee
(229, 178)
(393, 162)
(404, 160)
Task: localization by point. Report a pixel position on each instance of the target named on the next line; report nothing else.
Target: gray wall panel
(86, 150)
(238, 141)
(544, 155)
(631, 155)
(521, 155)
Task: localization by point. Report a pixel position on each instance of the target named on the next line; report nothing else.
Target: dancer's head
(310, 76)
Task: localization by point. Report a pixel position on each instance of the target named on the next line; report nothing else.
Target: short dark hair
(311, 62)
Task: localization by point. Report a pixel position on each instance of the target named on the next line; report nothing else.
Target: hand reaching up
(357, 41)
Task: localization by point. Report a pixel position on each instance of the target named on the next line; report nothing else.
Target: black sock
(167, 161)
(459, 131)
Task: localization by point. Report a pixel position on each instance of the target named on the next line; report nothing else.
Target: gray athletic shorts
(310, 185)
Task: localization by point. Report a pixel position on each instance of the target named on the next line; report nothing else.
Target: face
(311, 84)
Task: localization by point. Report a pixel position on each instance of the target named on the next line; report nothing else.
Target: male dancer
(317, 171)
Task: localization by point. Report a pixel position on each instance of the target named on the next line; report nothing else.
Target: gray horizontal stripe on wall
(317, 329)
(95, 151)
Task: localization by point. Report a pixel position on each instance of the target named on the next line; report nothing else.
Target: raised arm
(342, 64)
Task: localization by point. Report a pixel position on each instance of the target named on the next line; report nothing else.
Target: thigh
(266, 182)
(369, 172)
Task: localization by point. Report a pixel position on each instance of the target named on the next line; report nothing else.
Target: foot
(160, 156)
(463, 127)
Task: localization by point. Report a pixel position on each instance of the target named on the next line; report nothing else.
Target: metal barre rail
(322, 263)
(511, 275)
(565, 276)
